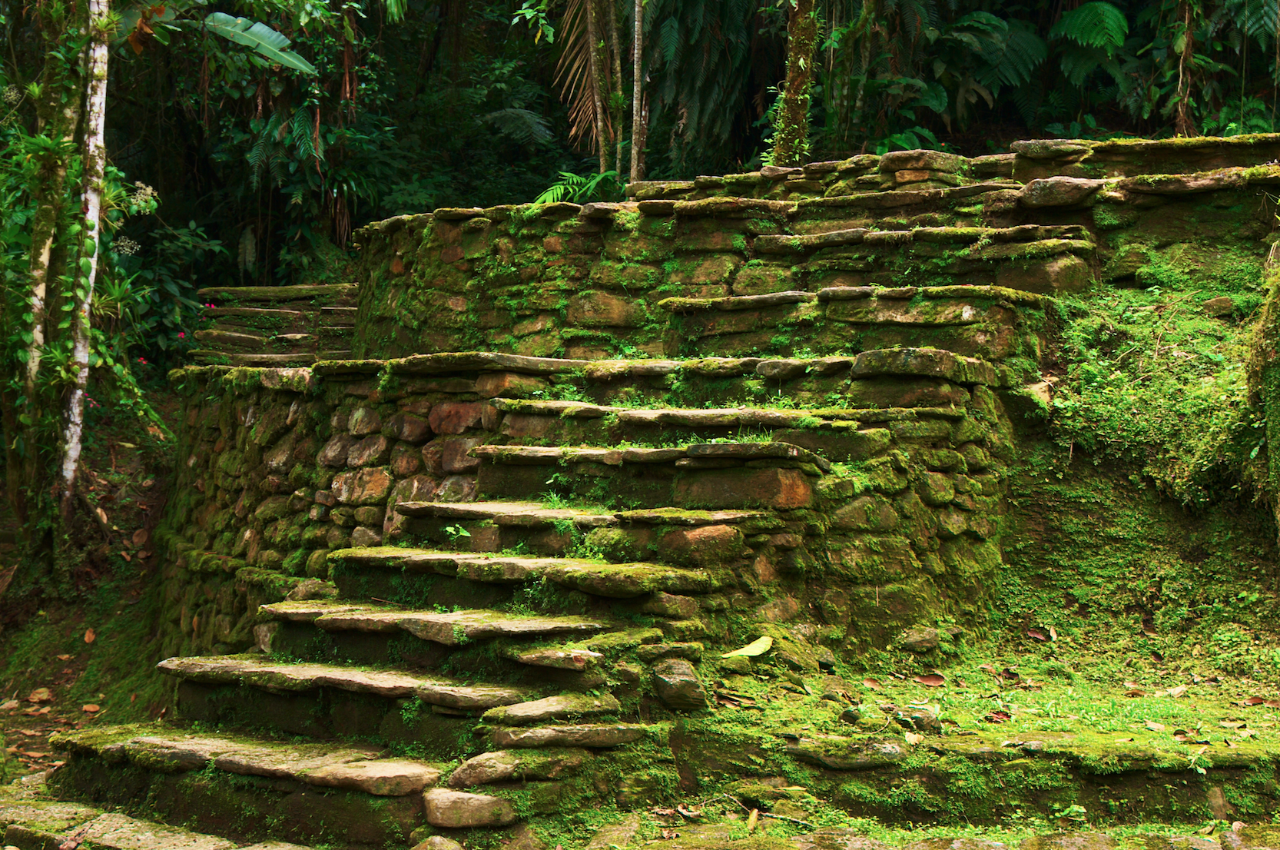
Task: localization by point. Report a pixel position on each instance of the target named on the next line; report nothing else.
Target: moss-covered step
(990, 322)
(507, 526)
(763, 475)
(1128, 157)
(44, 824)
(454, 628)
(282, 677)
(328, 701)
(246, 788)
(835, 433)
(610, 581)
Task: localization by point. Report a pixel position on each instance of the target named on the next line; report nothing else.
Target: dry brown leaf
(913, 738)
(40, 695)
(90, 636)
(931, 680)
(873, 684)
(90, 708)
(1155, 727)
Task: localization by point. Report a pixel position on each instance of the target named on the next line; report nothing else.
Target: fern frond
(1094, 24)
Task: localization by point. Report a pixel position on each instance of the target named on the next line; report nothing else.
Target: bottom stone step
(33, 823)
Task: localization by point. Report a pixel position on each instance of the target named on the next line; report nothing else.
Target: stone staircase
(448, 596)
(276, 325)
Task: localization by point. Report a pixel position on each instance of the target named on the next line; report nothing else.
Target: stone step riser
(736, 486)
(326, 713)
(243, 808)
(487, 660)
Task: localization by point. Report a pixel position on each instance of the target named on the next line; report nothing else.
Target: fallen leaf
(751, 650)
(1036, 634)
(40, 695)
(10, 705)
(752, 820)
(1053, 633)
(1133, 693)
(1176, 692)
(1246, 734)
(1124, 740)
(64, 657)
(90, 708)
(873, 684)
(126, 556)
(140, 538)
(1273, 703)
(913, 738)
(1231, 724)
(931, 680)
(1155, 727)
(998, 717)
(90, 636)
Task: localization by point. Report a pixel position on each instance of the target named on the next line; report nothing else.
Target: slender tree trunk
(791, 120)
(95, 155)
(639, 118)
(597, 81)
(58, 115)
(617, 101)
(1182, 124)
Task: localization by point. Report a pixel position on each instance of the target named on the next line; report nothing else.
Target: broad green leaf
(261, 38)
(751, 650)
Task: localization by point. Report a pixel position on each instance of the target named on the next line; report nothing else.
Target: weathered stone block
(373, 450)
(410, 427)
(364, 421)
(334, 452)
(603, 309)
(704, 546)
(782, 489)
(455, 417)
(867, 513)
(365, 487)
(677, 684)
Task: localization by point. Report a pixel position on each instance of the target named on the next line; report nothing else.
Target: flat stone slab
(558, 659)
(309, 611)
(459, 627)
(502, 765)
(587, 735)
(284, 677)
(522, 514)
(928, 362)
(462, 810)
(557, 707)
(679, 516)
(615, 581)
(50, 824)
(324, 765)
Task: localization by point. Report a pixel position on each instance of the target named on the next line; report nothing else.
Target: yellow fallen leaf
(751, 650)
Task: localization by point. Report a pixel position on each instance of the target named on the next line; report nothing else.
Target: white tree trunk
(639, 120)
(95, 156)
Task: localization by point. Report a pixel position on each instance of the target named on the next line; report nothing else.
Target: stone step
(365, 769)
(281, 677)
(355, 572)
(302, 358)
(550, 709)
(560, 532)
(519, 765)
(592, 735)
(450, 629)
(990, 322)
(779, 476)
(727, 451)
(45, 824)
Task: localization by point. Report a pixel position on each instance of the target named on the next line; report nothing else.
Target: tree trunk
(95, 155)
(617, 101)
(1182, 123)
(58, 115)
(791, 119)
(639, 120)
(597, 82)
